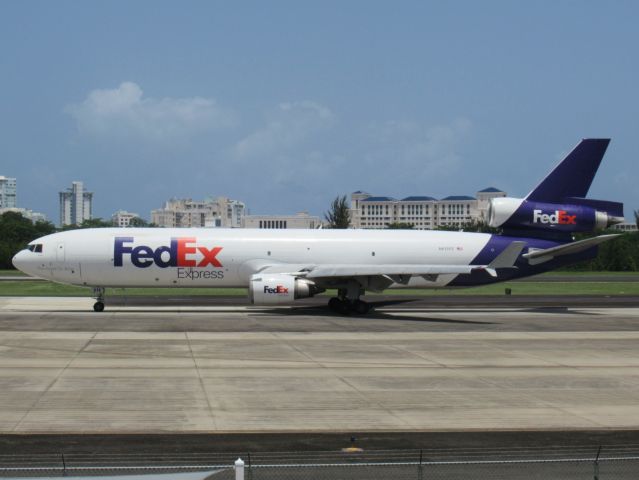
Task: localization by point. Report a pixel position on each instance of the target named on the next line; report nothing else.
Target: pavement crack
(202, 386)
(53, 382)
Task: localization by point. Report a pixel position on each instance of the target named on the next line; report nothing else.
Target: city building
(9, 201)
(625, 227)
(423, 212)
(76, 205)
(219, 212)
(299, 220)
(8, 192)
(235, 212)
(122, 218)
(26, 213)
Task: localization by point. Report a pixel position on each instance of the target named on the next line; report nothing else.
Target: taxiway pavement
(142, 369)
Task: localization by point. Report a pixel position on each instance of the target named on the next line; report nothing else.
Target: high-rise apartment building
(8, 192)
(219, 212)
(76, 205)
(9, 200)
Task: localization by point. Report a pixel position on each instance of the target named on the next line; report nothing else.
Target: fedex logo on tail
(560, 217)
(181, 252)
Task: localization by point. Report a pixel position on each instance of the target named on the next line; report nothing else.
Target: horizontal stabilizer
(536, 256)
(508, 257)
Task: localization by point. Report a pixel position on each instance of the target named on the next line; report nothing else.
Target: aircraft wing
(380, 276)
(506, 259)
(372, 277)
(355, 270)
(537, 256)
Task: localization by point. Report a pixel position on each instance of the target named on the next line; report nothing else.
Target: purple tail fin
(574, 174)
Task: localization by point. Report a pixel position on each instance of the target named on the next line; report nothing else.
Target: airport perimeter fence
(578, 463)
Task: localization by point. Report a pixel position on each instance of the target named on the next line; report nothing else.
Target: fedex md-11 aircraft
(281, 266)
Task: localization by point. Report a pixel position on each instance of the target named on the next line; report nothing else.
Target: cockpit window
(31, 248)
(35, 247)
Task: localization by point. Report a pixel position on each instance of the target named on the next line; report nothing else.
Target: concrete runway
(404, 368)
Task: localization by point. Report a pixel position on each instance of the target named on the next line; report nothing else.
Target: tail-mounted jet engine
(583, 215)
(280, 289)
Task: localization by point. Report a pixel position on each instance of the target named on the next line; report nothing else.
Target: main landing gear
(98, 294)
(346, 306)
(347, 301)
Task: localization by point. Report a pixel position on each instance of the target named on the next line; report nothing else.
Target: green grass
(18, 273)
(46, 289)
(580, 273)
(11, 273)
(21, 288)
(532, 288)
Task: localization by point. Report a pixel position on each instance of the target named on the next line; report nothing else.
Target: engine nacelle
(520, 213)
(279, 289)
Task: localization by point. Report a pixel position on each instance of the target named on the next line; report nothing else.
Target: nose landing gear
(98, 294)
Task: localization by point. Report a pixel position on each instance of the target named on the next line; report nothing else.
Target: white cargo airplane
(280, 266)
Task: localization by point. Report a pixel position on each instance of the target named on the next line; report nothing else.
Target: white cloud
(287, 127)
(126, 112)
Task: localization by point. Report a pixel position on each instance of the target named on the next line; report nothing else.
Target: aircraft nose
(19, 261)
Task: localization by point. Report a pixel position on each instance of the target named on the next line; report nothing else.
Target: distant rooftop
(459, 197)
(490, 190)
(418, 198)
(378, 199)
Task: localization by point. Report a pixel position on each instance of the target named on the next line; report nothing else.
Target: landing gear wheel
(334, 304)
(345, 307)
(98, 294)
(361, 307)
(339, 305)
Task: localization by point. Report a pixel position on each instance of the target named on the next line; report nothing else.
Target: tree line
(16, 231)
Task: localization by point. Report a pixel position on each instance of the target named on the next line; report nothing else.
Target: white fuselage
(179, 257)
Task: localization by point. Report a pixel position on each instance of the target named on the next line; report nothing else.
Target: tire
(361, 307)
(345, 307)
(334, 304)
(98, 306)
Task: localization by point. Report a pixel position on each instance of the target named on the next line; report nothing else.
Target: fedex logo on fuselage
(280, 289)
(181, 252)
(560, 217)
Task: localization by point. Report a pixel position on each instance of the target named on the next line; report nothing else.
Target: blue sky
(285, 105)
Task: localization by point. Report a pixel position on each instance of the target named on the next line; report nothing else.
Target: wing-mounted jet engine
(280, 289)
